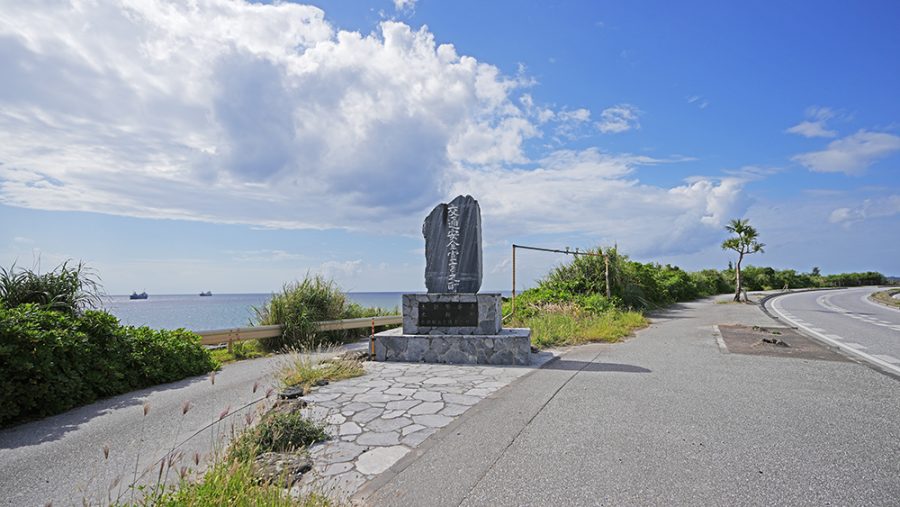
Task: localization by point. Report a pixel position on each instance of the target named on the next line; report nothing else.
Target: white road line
(857, 346)
(866, 299)
(893, 368)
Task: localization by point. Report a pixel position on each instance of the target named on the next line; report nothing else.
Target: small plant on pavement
(306, 370)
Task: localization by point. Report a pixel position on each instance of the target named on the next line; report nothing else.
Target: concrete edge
(879, 304)
(372, 486)
(857, 356)
(723, 348)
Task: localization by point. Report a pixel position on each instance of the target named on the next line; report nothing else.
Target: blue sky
(232, 146)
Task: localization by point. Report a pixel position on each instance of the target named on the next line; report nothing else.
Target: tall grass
(68, 288)
(300, 305)
(554, 325)
(297, 308)
(233, 483)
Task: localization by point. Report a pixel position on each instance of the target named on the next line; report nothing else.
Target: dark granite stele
(511, 346)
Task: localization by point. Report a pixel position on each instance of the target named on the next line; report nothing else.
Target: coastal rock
(453, 247)
(282, 467)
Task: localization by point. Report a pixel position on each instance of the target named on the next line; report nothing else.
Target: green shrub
(66, 288)
(53, 361)
(300, 305)
(297, 308)
(277, 432)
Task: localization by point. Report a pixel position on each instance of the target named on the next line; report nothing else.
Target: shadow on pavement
(673, 311)
(569, 365)
(55, 427)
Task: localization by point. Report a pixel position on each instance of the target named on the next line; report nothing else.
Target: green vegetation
(234, 478)
(231, 483)
(53, 361)
(248, 349)
(300, 305)
(56, 354)
(303, 370)
(885, 297)
(554, 325)
(276, 432)
(744, 242)
(68, 289)
(570, 305)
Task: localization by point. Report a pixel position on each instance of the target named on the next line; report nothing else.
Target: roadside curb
(867, 359)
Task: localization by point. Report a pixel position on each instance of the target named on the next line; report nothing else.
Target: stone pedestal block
(454, 314)
(510, 346)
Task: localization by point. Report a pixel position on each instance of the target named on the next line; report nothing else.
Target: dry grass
(566, 324)
(307, 370)
(885, 297)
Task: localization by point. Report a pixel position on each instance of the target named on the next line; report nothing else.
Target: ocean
(219, 311)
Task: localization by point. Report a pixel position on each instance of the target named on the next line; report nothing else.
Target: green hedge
(53, 361)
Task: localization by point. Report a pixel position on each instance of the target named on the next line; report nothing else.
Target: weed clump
(277, 432)
(300, 306)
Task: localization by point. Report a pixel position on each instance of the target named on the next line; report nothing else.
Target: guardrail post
(372, 342)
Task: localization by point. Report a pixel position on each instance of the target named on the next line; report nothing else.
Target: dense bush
(639, 285)
(300, 305)
(53, 360)
(67, 288)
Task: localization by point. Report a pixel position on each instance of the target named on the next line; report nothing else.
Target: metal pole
(514, 281)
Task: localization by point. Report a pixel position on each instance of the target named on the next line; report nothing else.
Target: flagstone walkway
(376, 419)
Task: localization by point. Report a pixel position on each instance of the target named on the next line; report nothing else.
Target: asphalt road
(60, 459)
(667, 418)
(846, 319)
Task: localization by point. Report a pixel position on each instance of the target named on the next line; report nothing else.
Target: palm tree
(744, 243)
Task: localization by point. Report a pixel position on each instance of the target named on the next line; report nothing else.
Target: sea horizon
(220, 310)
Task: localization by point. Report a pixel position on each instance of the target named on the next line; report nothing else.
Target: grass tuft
(232, 482)
(566, 324)
(307, 370)
(885, 297)
(277, 432)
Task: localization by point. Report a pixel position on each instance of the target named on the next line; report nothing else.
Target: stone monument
(453, 322)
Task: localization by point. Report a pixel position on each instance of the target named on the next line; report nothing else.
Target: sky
(235, 146)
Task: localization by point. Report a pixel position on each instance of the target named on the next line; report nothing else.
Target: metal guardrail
(229, 336)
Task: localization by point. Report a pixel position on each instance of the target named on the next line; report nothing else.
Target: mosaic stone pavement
(376, 419)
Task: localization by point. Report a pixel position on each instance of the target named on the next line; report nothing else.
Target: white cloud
(240, 113)
(590, 193)
(340, 270)
(698, 101)
(814, 126)
(265, 256)
(811, 129)
(264, 114)
(870, 208)
(405, 5)
(851, 154)
(619, 118)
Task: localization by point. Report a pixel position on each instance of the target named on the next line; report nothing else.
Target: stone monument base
(511, 346)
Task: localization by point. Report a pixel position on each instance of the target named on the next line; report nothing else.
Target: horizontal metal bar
(567, 252)
(217, 336)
